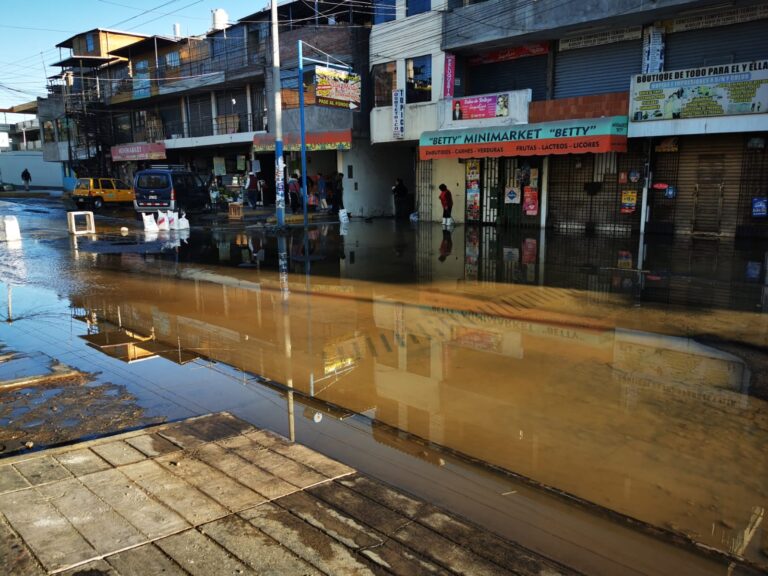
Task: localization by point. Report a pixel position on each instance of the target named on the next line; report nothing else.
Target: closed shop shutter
(709, 181)
(598, 69)
(712, 46)
(529, 72)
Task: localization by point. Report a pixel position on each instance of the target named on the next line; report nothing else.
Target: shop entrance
(503, 191)
(709, 194)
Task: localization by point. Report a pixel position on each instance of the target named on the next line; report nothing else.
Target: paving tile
(217, 427)
(15, 557)
(150, 517)
(101, 526)
(262, 553)
(52, 539)
(82, 462)
(201, 556)
(255, 478)
(119, 453)
(336, 524)
(190, 503)
(324, 465)
(444, 552)
(181, 437)
(212, 482)
(152, 445)
(11, 479)
(404, 504)
(41, 470)
(95, 568)
(147, 560)
(489, 546)
(312, 545)
(292, 472)
(398, 559)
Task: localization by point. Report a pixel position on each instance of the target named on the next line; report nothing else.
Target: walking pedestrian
(26, 178)
(446, 199)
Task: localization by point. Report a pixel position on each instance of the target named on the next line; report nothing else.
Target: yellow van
(98, 192)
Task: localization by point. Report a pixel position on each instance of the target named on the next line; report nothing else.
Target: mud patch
(64, 411)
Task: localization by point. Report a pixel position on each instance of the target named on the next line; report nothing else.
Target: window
(89, 42)
(383, 11)
(172, 59)
(413, 7)
(152, 181)
(384, 81)
(48, 134)
(418, 87)
(106, 184)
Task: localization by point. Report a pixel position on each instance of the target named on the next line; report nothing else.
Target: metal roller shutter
(597, 70)
(709, 178)
(712, 46)
(529, 72)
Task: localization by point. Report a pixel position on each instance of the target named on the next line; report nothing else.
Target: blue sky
(30, 29)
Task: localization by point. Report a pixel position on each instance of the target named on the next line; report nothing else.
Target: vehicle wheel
(98, 203)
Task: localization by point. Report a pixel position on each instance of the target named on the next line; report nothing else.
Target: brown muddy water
(637, 392)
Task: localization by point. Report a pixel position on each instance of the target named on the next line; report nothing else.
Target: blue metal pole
(278, 107)
(303, 134)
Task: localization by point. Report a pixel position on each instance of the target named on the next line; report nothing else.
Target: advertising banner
(478, 107)
(530, 201)
(472, 175)
(398, 113)
(727, 90)
(133, 152)
(608, 134)
(760, 207)
(450, 75)
(337, 88)
(332, 140)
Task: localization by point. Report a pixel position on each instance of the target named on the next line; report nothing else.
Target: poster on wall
(337, 88)
(628, 201)
(472, 171)
(219, 166)
(760, 207)
(653, 50)
(480, 107)
(727, 90)
(530, 201)
(512, 195)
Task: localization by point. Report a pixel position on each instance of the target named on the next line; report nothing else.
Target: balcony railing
(200, 126)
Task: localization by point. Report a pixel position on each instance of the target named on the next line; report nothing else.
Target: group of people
(324, 193)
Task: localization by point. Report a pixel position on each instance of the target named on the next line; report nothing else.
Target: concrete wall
(47, 175)
(374, 171)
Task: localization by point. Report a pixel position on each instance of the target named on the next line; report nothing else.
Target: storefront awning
(332, 140)
(597, 135)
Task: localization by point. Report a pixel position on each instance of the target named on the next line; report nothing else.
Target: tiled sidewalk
(214, 495)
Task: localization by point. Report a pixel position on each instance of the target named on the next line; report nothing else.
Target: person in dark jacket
(400, 193)
(26, 178)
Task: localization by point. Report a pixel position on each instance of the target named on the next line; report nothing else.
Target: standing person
(294, 192)
(400, 193)
(26, 178)
(252, 189)
(261, 189)
(321, 192)
(339, 203)
(446, 199)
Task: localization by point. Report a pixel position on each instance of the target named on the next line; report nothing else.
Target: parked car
(99, 192)
(169, 189)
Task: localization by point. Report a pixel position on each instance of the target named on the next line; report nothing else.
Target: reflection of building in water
(607, 415)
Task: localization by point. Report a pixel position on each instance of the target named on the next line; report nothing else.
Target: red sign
(450, 75)
(530, 201)
(331, 140)
(132, 152)
(575, 145)
(660, 186)
(534, 49)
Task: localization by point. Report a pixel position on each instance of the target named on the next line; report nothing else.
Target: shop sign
(134, 152)
(530, 201)
(727, 90)
(760, 207)
(660, 186)
(628, 201)
(450, 75)
(533, 49)
(670, 192)
(337, 88)
(480, 107)
(316, 141)
(398, 113)
(565, 137)
(653, 50)
(600, 38)
(720, 18)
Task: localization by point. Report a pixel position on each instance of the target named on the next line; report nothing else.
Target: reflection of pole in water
(9, 319)
(283, 268)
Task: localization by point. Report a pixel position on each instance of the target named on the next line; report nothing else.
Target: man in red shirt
(446, 199)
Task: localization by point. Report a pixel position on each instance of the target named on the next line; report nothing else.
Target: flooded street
(622, 379)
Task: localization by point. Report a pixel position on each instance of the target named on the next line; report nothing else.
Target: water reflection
(658, 427)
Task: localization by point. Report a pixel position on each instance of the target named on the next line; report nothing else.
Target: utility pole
(277, 105)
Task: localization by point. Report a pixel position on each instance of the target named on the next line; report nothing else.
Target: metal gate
(424, 189)
(490, 191)
(754, 185)
(662, 202)
(708, 198)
